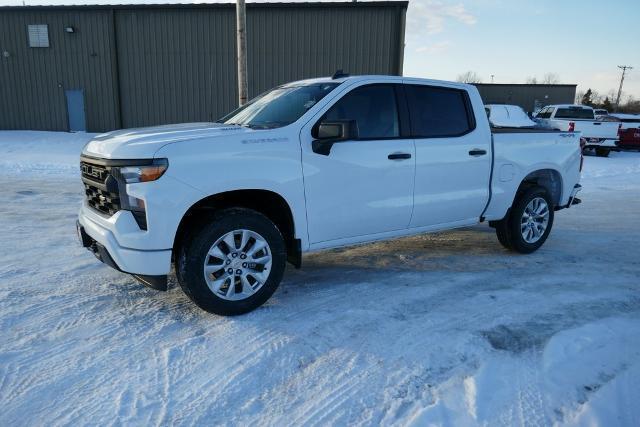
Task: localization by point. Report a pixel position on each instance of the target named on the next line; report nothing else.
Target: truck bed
(522, 130)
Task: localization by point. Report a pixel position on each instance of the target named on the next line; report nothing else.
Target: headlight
(133, 174)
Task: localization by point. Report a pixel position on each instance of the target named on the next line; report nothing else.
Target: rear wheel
(528, 223)
(602, 152)
(234, 263)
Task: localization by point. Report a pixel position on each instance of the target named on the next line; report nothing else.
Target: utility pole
(624, 69)
(241, 28)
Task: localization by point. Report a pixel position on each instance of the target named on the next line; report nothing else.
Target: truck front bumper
(148, 266)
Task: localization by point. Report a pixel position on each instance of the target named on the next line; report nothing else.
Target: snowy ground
(448, 329)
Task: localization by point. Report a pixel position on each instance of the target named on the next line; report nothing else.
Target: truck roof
(383, 78)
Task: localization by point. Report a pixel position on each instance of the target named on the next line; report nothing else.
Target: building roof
(107, 5)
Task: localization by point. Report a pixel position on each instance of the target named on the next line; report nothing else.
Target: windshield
(278, 107)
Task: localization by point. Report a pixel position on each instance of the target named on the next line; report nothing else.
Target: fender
(269, 161)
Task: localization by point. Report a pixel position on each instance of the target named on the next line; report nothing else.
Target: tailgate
(608, 130)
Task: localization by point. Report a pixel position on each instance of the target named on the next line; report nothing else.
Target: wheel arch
(547, 178)
(267, 202)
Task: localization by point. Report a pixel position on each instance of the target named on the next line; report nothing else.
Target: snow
(442, 329)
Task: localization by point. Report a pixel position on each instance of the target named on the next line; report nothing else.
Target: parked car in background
(607, 118)
(600, 112)
(627, 121)
(599, 135)
(629, 138)
(312, 165)
(503, 115)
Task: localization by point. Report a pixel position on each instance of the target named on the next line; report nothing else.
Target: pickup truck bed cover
(524, 130)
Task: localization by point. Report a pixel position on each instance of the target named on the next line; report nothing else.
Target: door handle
(399, 156)
(476, 152)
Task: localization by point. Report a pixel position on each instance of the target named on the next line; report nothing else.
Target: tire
(231, 294)
(602, 152)
(511, 230)
(503, 237)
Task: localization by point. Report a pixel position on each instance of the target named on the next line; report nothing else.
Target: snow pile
(444, 329)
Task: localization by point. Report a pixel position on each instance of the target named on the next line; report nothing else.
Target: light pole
(624, 69)
(241, 25)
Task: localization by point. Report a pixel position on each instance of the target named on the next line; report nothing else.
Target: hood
(144, 142)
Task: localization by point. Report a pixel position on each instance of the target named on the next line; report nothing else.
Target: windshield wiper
(244, 125)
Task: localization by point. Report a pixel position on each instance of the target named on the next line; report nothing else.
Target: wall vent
(38, 35)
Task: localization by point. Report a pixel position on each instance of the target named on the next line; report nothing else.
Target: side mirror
(328, 133)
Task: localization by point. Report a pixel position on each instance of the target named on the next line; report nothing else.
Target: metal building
(530, 97)
(99, 68)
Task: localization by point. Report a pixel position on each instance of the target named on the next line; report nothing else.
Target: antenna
(339, 74)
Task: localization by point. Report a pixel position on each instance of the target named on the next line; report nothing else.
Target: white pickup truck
(312, 165)
(599, 135)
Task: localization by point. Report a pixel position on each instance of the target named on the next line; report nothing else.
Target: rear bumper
(134, 261)
(573, 200)
(609, 143)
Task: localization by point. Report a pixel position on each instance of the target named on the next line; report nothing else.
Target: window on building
(438, 112)
(38, 35)
(372, 107)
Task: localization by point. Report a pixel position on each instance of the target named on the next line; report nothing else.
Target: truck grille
(101, 200)
(100, 188)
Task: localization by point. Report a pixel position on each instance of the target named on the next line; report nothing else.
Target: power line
(624, 69)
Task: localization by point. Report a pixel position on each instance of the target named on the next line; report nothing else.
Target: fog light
(136, 203)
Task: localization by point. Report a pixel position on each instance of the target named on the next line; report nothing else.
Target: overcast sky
(582, 41)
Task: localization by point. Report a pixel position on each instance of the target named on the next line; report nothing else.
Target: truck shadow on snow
(463, 250)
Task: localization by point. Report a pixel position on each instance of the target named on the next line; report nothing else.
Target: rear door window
(438, 112)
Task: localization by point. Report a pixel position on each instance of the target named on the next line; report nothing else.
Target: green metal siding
(33, 80)
(148, 65)
(527, 96)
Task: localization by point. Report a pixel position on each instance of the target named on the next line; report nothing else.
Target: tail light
(583, 143)
(572, 126)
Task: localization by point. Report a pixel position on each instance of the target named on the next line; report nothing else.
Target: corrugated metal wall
(33, 80)
(527, 96)
(176, 65)
(288, 44)
(150, 65)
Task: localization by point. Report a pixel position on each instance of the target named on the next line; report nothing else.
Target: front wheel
(528, 223)
(234, 263)
(602, 152)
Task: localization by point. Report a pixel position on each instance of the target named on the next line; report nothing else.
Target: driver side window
(373, 108)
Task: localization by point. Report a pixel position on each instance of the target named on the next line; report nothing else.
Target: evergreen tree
(586, 98)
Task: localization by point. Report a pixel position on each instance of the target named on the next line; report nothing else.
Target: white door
(362, 186)
(453, 156)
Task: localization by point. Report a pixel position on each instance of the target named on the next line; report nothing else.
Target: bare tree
(547, 79)
(469, 77)
(550, 79)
